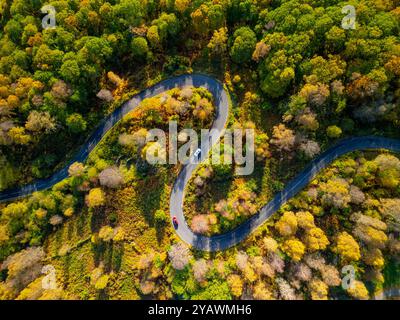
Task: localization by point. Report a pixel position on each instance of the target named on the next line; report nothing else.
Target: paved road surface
(224, 241)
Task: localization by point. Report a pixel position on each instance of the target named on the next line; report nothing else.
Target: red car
(175, 221)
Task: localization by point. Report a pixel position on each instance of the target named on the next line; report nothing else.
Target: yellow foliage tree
(69, 212)
(114, 78)
(33, 291)
(305, 219)
(52, 294)
(249, 274)
(337, 193)
(119, 235)
(388, 170)
(203, 109)
(270, 244)
(235, 284)
(347, 247)
(318, 290)
(287, 224)
(261, 292)
(217, 44)
(13, 101)
(376, 238)
(95, 198)
(316, 239)
(15, 210)
(261, 50)
(4, 236)
(358, 291)
(40, 213)
(182, 5)
(102, 282)
(18, 135)
(120, 83)
(106, 233)
(373, 257)
(294, 249)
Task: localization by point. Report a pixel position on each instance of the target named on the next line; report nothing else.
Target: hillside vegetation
(295, 76)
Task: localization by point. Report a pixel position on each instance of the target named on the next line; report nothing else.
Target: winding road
(223, 241)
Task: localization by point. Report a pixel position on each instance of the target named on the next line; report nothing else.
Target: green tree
(215, 290)
(167, 26)
(160, 217)
(14, 30)
(243, 46)
(129, 12)
(139, 47)
(95, 50)
(153, 37)
(46, 58)
(333, 132)
(70, 70)
(76, 123)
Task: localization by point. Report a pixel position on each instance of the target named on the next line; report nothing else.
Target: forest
(294, 75)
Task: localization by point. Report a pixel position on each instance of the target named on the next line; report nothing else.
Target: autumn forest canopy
(297, 49)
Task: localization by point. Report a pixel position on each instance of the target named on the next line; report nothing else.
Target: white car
(197, 154)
